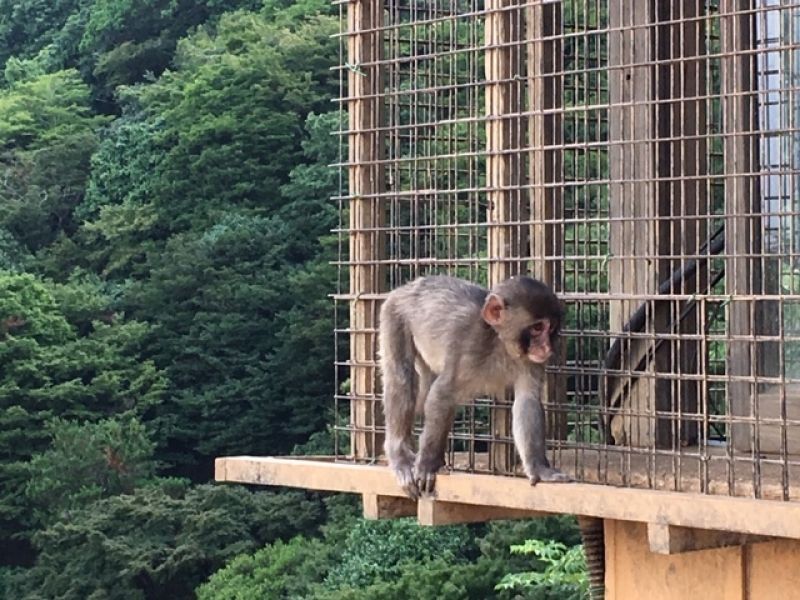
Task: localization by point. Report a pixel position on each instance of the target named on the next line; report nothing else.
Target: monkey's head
(526, 315)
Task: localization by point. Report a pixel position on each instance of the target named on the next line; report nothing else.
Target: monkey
(444, 341)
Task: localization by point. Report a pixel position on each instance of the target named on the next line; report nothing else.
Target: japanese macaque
(443, 342)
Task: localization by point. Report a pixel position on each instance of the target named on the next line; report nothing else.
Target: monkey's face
(526, 316)
(535, 341)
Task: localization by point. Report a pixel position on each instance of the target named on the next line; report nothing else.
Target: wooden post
(656, 157)
(366, 181)
(631, 193)
(681, 165)
(741, 198)
(504, 172)
(545, 91)
(744, 275)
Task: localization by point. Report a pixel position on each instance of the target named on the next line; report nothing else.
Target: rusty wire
(600, 145)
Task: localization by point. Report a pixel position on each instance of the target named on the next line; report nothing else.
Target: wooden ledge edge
(718, 513)
(671, 539)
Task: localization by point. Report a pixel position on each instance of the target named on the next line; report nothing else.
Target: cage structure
(642, 158)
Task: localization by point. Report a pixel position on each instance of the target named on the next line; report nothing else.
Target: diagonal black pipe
(636, 322)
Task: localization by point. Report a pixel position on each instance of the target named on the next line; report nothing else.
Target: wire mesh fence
(642, 158)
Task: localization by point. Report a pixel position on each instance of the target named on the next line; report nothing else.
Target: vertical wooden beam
(681, 165)
(504, 25)
(506, 236)
(632, 571)
(366, 182)
(745, 275)
(545, 98)
(632, 199)
(657, 201)
(742, 198)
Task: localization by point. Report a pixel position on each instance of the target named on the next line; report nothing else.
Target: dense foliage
(397, 560)
(165, 260)
(161, 541)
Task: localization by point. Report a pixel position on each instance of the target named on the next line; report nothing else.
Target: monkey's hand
(404, 473)
(548, 474)
(425, 476)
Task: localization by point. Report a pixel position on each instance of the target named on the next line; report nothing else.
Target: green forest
(165, 253)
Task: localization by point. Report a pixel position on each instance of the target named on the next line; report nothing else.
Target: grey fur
(437, 351)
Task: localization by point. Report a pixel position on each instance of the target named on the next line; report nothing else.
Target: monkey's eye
(538, 327)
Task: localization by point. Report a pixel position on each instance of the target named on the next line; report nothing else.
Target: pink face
(535, 341)
(531, 336)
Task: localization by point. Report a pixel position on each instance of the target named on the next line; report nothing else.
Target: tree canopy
(165, 265)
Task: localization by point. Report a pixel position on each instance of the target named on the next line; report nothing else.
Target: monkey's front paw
(425, 477)
(405, 479)
(549, 475)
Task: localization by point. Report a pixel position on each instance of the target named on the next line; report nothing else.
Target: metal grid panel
(643, 159)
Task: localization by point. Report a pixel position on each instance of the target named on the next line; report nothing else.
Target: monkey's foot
(549, 475)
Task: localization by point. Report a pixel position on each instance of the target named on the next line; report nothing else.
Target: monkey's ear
(493, 311)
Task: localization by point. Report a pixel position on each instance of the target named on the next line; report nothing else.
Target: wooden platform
(497, 495)
(712, 471)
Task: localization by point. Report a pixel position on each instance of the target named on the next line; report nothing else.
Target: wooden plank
(387, 507)
(670, 539)
(431, 512)
(504, 172)
(758, 517)
(614, 554)
(708, 471)
(367, 243)
(545, 64)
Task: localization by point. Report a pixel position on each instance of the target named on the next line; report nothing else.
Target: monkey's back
(437, 299)
(439, 312)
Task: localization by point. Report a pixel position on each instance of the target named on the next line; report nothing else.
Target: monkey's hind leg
(399, 397)
(425, 379)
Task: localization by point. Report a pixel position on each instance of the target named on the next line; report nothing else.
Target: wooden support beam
(545, 69)
(367, 217)
(431, 511)
(635, 229)
(699, 511)
(633, 572)
(742, 202)
(387, 507)
(504, 172)
(658, 205)
(749, 270)
(671, 539)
